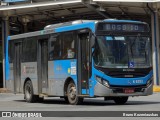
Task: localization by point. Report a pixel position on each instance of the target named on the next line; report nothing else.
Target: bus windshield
(122, 51)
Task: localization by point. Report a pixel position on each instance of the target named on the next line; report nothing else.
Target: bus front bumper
(102, 91)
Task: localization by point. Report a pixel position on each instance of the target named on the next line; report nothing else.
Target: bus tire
(28, 92)
(73, 99)
(120, 100)
(66, 99)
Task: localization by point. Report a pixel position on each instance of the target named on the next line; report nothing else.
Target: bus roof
(67, 26)
(68, 23)
(121, 21)
(55, 28)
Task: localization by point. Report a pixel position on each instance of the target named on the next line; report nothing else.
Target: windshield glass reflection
(123, 52)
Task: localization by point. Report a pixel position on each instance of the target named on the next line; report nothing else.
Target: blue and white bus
(81, 59)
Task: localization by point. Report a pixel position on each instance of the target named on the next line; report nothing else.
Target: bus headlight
(99, 79)
(105, 83)
(102, 81)
(149, 81)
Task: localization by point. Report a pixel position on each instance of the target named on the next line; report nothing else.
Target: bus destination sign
(122, 27)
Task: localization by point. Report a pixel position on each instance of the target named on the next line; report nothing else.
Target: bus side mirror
(92, 41)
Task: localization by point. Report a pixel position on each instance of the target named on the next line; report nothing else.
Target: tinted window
(62, 46)
(29, 50)
(68, 45)
(54, 47)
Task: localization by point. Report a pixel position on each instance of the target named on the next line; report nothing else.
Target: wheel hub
(72, 92)
(28, 92)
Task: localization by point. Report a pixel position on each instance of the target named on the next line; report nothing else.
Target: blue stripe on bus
(85, 91)
(92, 81)
(7, 60)
(90, 25)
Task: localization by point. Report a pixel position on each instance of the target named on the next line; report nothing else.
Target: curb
(156, 88)
(4, 90)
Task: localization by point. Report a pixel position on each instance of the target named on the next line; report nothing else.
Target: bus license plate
(129, 90)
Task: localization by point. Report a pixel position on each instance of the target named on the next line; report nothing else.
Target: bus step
(43, 95)
(83, 95)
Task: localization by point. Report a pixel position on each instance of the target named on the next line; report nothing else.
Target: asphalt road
(12, 102)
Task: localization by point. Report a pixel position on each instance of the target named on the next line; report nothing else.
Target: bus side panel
(58, 72)
(67, 69)
(29, 70)
(10, 81)
(52, 77)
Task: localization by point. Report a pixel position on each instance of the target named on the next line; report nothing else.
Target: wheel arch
(67, 81)
(27, 79)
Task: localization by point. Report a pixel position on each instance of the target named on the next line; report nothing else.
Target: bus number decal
(73, 68)
(138, 81)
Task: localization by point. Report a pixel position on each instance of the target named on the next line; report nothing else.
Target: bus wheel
(120, 100)
(72, 94)
(66, 99)
(28, 92)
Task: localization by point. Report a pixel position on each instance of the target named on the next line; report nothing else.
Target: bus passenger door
(43, 66)
(83, 63)
(17, 67)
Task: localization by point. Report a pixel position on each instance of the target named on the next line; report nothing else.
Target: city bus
(81, 59)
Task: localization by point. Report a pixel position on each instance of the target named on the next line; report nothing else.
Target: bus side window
(68, 48)
(54, 47)
(29, 48)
